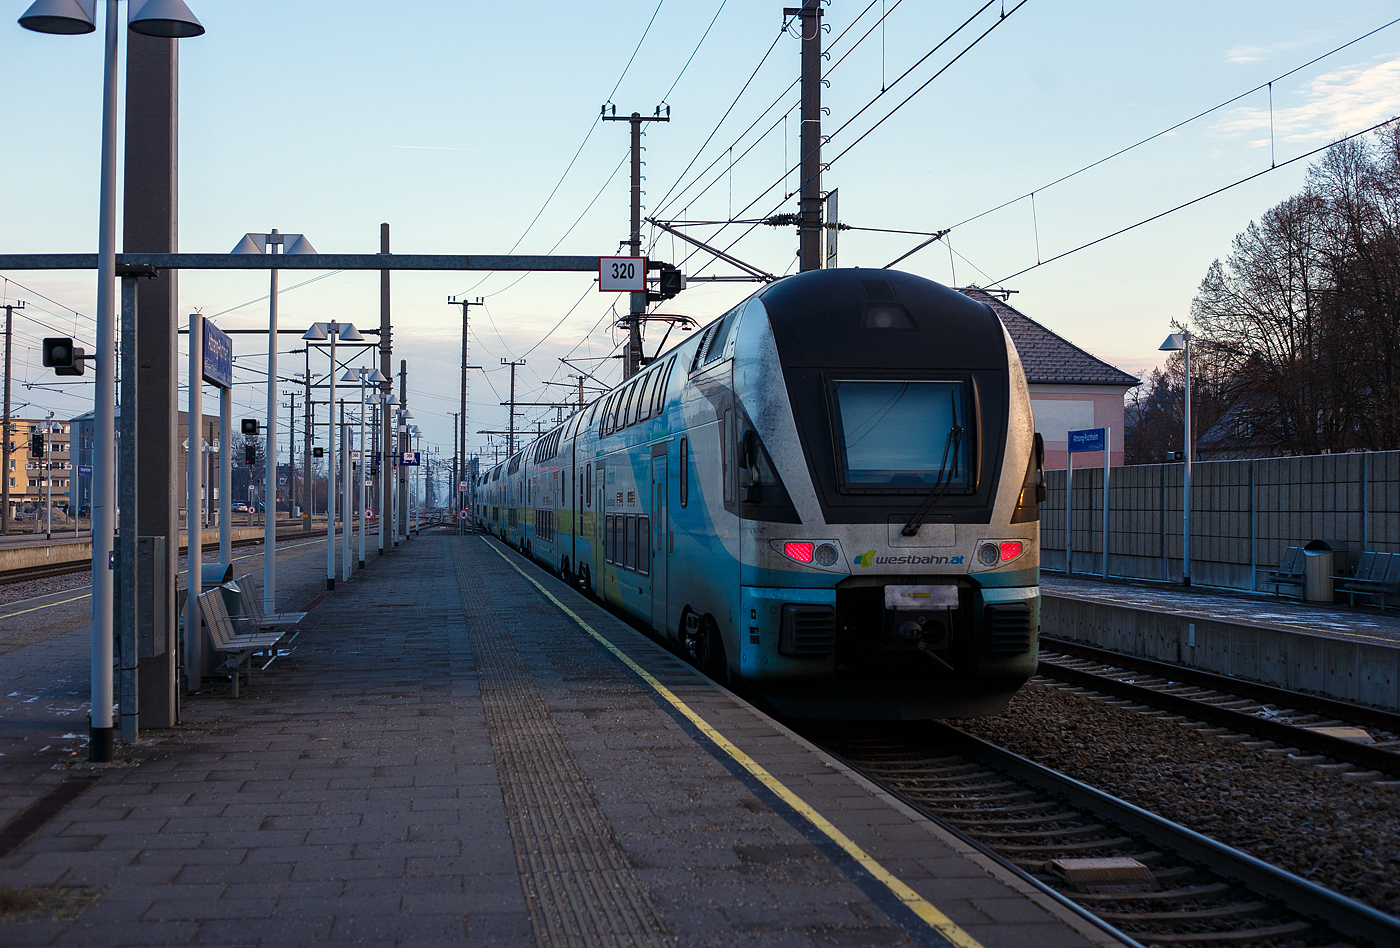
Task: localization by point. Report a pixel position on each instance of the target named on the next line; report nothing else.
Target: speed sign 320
(622, 274)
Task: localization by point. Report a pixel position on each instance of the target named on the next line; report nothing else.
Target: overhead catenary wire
(593, 126)
(1184, 122)
(1196, 200)
(973, 44)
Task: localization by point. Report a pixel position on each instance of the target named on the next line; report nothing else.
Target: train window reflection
(902, 434)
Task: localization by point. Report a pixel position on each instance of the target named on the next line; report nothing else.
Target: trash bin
(1318, 563)
(214, 576)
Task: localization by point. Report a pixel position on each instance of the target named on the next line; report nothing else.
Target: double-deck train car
(830, 492)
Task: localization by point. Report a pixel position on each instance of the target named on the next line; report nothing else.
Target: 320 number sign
(622, 274)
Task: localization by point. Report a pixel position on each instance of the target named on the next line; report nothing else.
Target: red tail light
(802, 552)
(1010, 549)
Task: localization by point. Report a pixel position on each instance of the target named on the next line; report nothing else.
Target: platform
(463, 750)
(1347, 653)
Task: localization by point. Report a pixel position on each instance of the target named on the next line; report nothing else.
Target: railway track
(1147, 880)
(1309, 728)
(82, 566)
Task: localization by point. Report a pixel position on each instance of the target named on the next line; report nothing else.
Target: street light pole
(1181, 342)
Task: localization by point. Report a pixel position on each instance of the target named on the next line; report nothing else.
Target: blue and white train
(830, 492)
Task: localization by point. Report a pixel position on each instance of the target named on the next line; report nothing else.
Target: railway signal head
(36, 445)
(62, 356)
(250, 426)
(670, 282)
(250, 454)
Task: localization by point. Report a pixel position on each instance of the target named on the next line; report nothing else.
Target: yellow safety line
(11, 615)
(911, 899)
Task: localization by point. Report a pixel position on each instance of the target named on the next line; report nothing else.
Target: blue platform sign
(218, 356)
(410, 459)
(1087, 439)
(85, 470)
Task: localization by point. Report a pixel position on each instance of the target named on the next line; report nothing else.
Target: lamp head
(391, 399)
(375, 377)
(405, 414)
(351, 375)
(1174, 343)
(251, 243)
(299, 244)
(64, 17)
(169, 19)
(319, 332)
(348, 333)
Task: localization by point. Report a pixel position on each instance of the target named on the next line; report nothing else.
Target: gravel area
(1319, 826)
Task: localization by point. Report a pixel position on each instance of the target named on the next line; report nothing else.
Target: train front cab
(840, 614)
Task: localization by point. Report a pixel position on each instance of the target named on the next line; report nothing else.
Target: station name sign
(1087, 439)
(218, 356)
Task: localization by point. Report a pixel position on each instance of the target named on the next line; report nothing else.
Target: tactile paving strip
(579, 885)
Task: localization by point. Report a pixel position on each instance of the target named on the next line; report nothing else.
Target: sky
(474, 128)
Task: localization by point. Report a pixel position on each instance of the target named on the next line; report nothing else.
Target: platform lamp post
(417, 481)
(371, 377)
(331, 332)
(173, 20)
(405, 416)
(386, 401)
(1181, 342)
(271, 244)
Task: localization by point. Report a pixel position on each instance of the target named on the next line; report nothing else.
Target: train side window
(588, 480)
(631, 541)
(607, 539)
(726, 425)
(658, 397)
(631, 399)
(644, 545)
(685, 472)
(644, 396)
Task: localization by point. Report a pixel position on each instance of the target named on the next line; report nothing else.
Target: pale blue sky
(453, 122)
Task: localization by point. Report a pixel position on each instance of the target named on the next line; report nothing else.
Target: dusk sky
(455, 121)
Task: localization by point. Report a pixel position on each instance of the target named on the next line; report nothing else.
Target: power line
(1172, 128)
(591, 128)
(1197, 200)
(1002, 19)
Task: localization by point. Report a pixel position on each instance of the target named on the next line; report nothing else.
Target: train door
(660, 539)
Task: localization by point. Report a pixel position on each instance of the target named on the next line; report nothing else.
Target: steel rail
(1315, 704)
(1288, 735)
(1340, 913)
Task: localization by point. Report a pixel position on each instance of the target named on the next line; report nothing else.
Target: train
(827, 497)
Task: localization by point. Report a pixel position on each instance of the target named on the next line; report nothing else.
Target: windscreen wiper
(952, 445)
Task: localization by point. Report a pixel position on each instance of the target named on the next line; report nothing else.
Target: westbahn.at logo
(868, 559)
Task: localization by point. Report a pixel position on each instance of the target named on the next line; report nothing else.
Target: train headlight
(802, 552)
(826, 555)
(988, 554)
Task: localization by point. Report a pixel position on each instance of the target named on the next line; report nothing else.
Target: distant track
(61, 569)
(1288, 718)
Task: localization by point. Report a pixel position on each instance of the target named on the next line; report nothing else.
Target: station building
(25, 472)
(82, 427)
(1070, 389)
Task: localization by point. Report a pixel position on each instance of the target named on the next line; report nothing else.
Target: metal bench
(1289, 571)
(251, 612)
(237, 647)
(1378, 576)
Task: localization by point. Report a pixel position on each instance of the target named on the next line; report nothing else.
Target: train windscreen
(901, 434)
